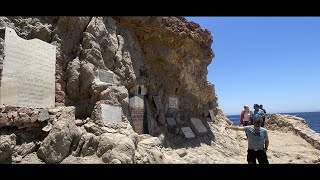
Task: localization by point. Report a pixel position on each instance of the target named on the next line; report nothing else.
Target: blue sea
(312, 118)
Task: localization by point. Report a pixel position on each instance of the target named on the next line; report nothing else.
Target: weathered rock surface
(297, 125)
(167, 57)
(7, 143)
(61, 139)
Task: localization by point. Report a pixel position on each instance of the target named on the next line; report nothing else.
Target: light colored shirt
(256, 138)
(246, 116)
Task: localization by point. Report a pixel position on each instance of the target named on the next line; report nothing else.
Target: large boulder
(61, 139)
(7, 143)
(114, 147)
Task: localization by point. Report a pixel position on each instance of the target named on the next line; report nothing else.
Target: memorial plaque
(171, 121)
(106, 76)
(173, 102)
(111, 114)
(136, 102)
(28, 76)
(158, 103)
(198, 125)
(187, 132)
(213, 118)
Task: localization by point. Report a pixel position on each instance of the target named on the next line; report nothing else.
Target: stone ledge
(297, 125)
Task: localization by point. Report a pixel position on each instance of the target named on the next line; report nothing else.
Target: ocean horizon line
(278, 113)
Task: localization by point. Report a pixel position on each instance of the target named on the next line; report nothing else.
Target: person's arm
(237, 128)
(266, 143)
(241, 118)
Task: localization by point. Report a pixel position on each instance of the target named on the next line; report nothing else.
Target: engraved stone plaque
(111, 114)
(106, 76)
(136, 102)
(158, 103)
(28, 76)
(198, 125)
(171, 121)
(187, 132)
(213, 118)
(173, 102)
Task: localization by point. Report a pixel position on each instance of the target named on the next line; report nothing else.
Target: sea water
(312, 118)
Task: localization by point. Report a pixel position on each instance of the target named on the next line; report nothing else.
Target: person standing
(257, 114)
(258, 142)
(245, 117)
(265, 113)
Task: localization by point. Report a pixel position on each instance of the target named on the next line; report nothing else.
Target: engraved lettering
(28, 77)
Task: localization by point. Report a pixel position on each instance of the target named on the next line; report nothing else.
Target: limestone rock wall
(166, 55)
(294, 124)
(149, 56)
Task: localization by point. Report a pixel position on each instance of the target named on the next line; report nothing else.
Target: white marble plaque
(188, 133)
(198, 125)
(173, 102)
(157, 101)
(213, 118)
(106, 76)
(111, 114)
(28, 77)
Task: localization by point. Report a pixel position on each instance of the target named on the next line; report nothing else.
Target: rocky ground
(168, 56)
(229, 147)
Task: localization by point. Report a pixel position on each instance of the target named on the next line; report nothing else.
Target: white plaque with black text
(28, 77)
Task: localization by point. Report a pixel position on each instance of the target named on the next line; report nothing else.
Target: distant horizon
(278, 113)
(272, 61)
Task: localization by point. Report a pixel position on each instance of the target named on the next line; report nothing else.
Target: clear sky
(274, 61)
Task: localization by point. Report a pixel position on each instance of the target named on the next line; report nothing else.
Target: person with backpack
(245, 116)
(258, 142)
(265, 113)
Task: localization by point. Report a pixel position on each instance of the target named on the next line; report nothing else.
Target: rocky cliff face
(148, 58)
(127, 89)
(167, 55)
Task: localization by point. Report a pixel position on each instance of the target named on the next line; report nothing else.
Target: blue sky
(274, 61)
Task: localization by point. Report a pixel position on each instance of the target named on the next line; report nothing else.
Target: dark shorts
(260, 155)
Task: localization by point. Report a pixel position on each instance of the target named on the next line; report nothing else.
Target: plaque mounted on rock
(158, 103)
(111, 114)
(28, 76)
(173, 102)
(106, 76)
(187, 132)
(171, 122)
(198, 125)
(136, 102)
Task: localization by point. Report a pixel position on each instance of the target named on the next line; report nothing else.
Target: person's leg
(251, 157)
(262, 157)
